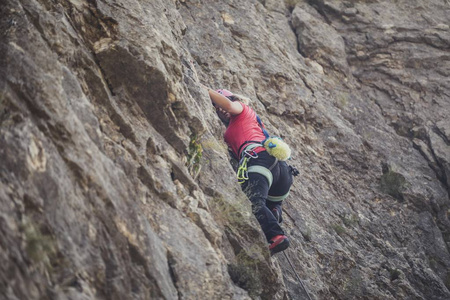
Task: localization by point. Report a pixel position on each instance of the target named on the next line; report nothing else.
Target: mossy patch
(343, 100)
(214, 145)
(40, 247)
(447, 281)
(290, 4)
(394, 274)
(245, 274)
(350, 220)
(231, 213)
(392, 183)
(195, 154)
(339, 229)
(306, 234)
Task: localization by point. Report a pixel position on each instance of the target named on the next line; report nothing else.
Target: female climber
(265, 179)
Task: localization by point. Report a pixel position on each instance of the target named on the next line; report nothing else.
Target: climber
(265, 180)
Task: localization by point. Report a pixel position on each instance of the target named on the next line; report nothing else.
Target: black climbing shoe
(278, 243)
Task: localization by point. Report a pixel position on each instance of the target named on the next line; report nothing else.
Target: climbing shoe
(278, 243)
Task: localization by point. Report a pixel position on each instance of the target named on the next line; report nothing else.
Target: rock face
(116, 184)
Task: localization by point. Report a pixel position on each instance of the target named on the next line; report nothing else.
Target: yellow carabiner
(242, 174)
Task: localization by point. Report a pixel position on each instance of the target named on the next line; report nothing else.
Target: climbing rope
(298, 277)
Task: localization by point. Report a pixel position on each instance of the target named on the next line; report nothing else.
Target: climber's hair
(243, 99)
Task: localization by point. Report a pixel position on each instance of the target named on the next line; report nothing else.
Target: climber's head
(223, 115)
(227, 94)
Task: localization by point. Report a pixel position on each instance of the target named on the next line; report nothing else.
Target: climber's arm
(234, 108)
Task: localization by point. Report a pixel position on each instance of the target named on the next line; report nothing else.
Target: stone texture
(115, 182)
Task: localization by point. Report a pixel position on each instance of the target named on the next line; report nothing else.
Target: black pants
(257, 189)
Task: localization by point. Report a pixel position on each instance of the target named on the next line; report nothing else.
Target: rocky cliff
(116, 184)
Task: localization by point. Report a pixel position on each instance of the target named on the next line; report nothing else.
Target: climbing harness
(275, 146)
(298, 277)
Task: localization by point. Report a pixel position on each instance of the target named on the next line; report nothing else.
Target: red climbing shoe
(278, 243)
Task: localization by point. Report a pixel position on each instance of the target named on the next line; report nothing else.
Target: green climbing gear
(277, 198)
(263, 171)
(247, 154)
(242, 172)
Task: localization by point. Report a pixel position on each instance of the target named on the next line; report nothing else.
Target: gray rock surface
(115, 182)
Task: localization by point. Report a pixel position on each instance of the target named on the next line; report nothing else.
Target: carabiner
(253, 155)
